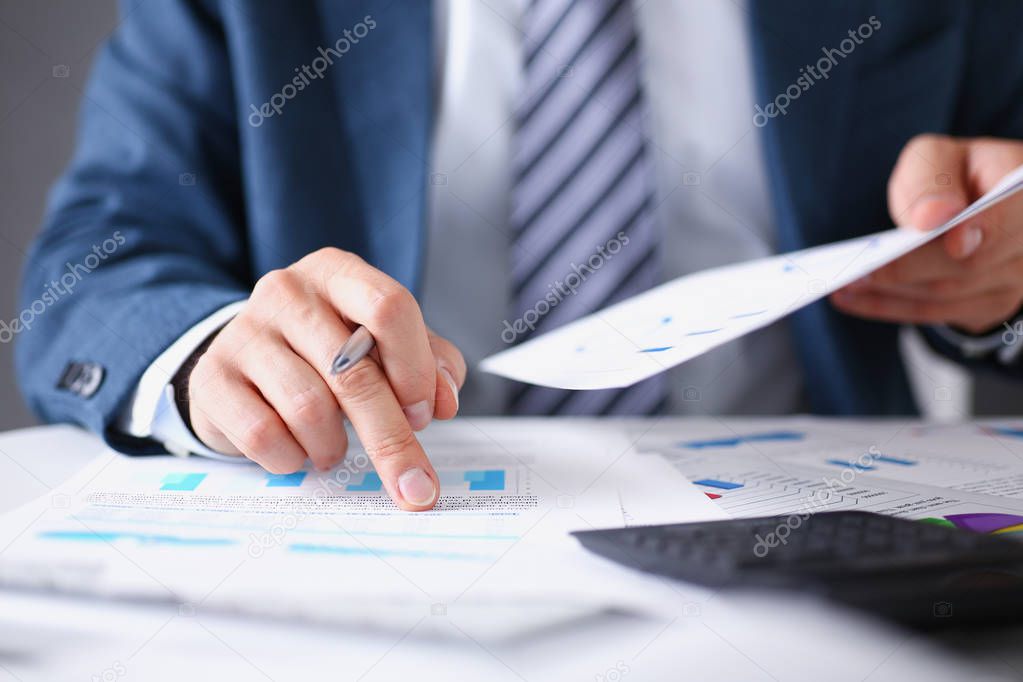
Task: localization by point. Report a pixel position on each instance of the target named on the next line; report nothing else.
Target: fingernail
(417, 488)
(418, 415)
(451, 382)
(971, 240)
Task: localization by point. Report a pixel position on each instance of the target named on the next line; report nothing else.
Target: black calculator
(919, 574)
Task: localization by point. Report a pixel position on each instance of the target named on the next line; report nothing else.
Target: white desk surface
(731, 638)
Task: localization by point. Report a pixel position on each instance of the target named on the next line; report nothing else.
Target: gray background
(40, 41)
(37, 123)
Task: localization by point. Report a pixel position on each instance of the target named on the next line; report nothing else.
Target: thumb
(451, 372)
(929, 186)
(935, 210)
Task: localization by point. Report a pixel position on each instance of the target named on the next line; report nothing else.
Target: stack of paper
(495, 554)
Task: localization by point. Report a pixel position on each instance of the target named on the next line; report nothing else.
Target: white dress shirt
(713, 204)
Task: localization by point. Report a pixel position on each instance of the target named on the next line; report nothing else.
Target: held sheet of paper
(691, 315)
(494, 556)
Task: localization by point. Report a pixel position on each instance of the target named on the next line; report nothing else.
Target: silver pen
(358, 346)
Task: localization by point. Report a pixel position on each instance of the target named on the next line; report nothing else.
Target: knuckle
(358, 383)
(248, 329)
(205, 370)
(392, 305)
(392, 446)
(926, 141)
(304, 309)
(261, 435)
(210, 379)
(309, 409)
(275, 284)
(326, 253)
(325, 258)
(330, 259)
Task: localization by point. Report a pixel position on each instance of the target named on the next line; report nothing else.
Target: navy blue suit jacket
(205, 202)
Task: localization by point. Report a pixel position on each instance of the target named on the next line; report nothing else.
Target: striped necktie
(582, 199)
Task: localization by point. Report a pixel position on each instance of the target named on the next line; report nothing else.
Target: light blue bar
(851, 465)
(371, 483)
(896, 460)
(182, 482)
(491, 479)
(309, 548)
(142, 538)
(731, 442)
(1008, 431)
(714, 483)
(285, 480)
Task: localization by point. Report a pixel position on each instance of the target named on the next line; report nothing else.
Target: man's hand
(970, 278)
(264, 390)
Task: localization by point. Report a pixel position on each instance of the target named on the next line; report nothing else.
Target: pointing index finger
(373, 410)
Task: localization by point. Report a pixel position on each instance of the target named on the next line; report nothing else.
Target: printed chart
(988, 523)
(825, 465)
(667, 325)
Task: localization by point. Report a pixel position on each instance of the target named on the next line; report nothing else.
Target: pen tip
(339, 364)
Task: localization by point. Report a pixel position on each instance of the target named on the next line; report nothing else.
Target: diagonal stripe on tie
(582, 194)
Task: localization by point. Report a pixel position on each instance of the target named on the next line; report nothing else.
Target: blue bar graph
(477, 479)
(851, 465)
(371, 483)
(721, 485)
(888, 459)
(1010, 431)
(182, 482)
(656, 349)
(285, 480)
(735, 441)
(491, 479)
(378, 552)
(141, 538)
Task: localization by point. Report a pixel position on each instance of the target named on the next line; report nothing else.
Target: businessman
(255, 180)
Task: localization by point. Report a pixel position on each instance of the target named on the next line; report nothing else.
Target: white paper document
(689, 316)
(495, 555)
(966, 475)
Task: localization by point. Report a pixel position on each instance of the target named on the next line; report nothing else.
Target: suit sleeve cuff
(1004, 343)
